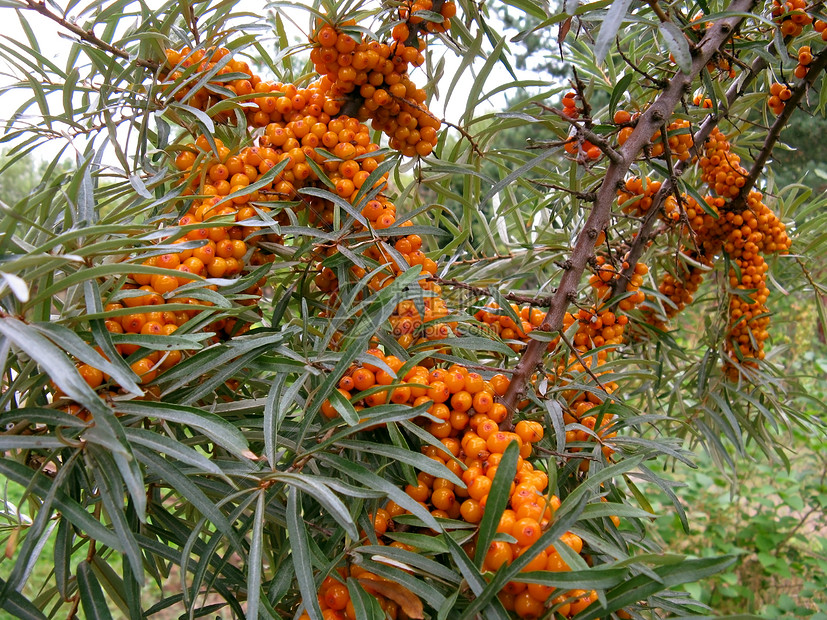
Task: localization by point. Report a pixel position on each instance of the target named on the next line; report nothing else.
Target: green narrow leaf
(19, 606)
(372, 481)
(161, 444)
(327, 498)
(365, 605)
(109, 488)
(62, 555)
(345, 408)
(476, 581)
(620, 89)
(497, 501)
(300, 548)
(70, 509)
(254, 558)
(175, 479)
(643, 586)
(91, 596)
(678, 45)
(215, 427)
(416, 459)
(516, 174)
(609, 28)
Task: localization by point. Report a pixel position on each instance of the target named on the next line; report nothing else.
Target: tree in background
(296, 345)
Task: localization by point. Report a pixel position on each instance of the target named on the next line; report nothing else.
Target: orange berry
(527, 531)
(499, 553)
(93, 376)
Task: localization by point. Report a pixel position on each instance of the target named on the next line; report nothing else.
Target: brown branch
(663, 17)
(736, 90)
(798, 92)
(580, 88)
(600, 215)
(547, 144)
(87, 35)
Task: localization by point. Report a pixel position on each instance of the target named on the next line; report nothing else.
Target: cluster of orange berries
(743, 235)
(749, 235)
(583, 150)
(410, 327)
(701, 101)
(681, 289)
(719, 63)
(678, 136)
(334, 596)
(805, 57)
(372, 77)
(414, 22)
(637, 196)
(779, 95)
(499, 323)
(184, 62)
(341, 147)
(721, 169)
(455, 393)
(791, 15)
(223, 253)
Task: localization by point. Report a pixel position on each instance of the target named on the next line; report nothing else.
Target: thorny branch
(648, 123)
(87, 35)
(736, 90)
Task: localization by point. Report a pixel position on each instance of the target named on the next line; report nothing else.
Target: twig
(799, 90)
(542, 301)
(465, 135)
(548, 144)
(580, 359)
(582, 129)
(663, 17)
(580, 88)
(88, 35)
(193, 23)
(587, 196)
(600, 215)
(658, 82)
(564, 455)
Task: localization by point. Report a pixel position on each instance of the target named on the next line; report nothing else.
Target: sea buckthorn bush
(296, 339)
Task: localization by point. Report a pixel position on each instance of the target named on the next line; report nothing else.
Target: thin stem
(542, 301)
(582, 129)
(87, 35)
(656, 7)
